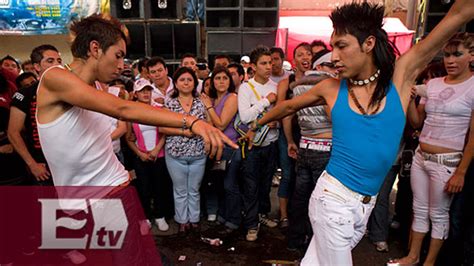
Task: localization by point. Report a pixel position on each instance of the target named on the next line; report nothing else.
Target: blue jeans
(187, 174)
(230, 209)
(309, 166)
(379, 219)
(257, 170)
(287, 165)
(195, 10)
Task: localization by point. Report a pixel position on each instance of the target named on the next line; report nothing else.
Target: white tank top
(78, 149)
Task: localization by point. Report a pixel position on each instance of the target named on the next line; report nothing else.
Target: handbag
(242, 128)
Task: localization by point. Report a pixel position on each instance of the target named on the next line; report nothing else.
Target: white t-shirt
(156, 93)
(250, 107)
(149, 136)
(277, 79)
(448, 110)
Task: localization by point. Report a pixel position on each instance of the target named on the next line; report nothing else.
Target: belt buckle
(366, 199)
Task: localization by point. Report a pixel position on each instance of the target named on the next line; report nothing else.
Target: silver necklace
(365, 81)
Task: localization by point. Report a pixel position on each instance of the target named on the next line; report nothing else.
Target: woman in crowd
(445, 149)
(221, 105)
(152, 181)
(185, 157)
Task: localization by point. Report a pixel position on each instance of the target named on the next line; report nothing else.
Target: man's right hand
(292, 150)
(40, 171)
(271, 97)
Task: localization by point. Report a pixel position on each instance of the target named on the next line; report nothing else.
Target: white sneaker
(162, 224)
(75, 257)
(145, 226)
(263, 219)
(381, 246)
(211, 218)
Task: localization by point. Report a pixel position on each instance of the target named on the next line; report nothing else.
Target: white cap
(142, 83)
(323, 59)
(287, 66)
(245, 58)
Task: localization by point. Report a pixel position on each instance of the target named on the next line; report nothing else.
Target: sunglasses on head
(327, 64)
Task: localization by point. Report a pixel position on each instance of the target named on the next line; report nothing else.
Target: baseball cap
(245, 58)
(323, 59)
(287, 66)
(142, 83)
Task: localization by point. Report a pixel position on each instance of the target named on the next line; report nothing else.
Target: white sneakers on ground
(263, 219)
(211, 218)
(162, 224)
(381, 246)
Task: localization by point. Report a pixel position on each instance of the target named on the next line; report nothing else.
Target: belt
(315, 144)
(448, 159)
(362, 198)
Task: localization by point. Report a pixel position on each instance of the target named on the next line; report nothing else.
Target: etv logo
(110, 223)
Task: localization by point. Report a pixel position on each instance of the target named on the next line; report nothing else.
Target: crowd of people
(205, 143)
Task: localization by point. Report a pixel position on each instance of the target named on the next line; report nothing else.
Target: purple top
(229, 131)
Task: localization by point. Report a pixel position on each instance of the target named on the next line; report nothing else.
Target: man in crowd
(22, 116)
(238, 75)
(317, 46)
(221, 60)
(9, 63)
(27, 66)
(278, 73)
(257, 96)
(25, 80)
(162, 83)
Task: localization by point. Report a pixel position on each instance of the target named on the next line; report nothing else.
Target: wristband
(192, 124)
(210, 107)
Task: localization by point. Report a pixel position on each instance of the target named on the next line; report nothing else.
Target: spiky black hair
(363, 20)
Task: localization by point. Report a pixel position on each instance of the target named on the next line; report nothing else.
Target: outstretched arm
(411, 63)
(67, 87)
(315, 96)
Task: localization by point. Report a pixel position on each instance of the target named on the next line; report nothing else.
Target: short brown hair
(106, 31)
(464, 38)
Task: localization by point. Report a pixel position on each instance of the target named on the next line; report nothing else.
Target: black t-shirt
(13, 170)
(25, 100)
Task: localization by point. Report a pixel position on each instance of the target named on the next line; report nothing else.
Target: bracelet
(192, 124)
(210, 107)
(184, 122)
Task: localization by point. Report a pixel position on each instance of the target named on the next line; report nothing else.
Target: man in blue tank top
(368, 106)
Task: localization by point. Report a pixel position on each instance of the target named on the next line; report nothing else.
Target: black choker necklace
(365, 81)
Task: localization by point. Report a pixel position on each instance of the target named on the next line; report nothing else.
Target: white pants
(338, 218)
(430, 199)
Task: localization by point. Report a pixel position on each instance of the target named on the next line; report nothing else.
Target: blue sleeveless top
(364, 147)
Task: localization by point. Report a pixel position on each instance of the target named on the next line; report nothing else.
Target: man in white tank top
(74, 133)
